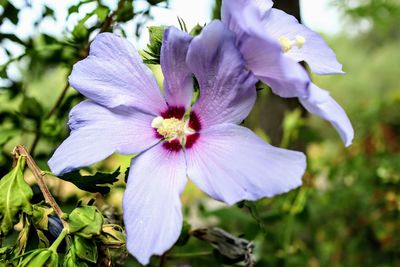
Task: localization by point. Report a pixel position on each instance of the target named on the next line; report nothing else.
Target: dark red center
(194, 123)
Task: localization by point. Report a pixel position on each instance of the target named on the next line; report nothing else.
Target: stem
(20, 150)
(163, 260)
(58, 102)
(110, 19)
(58, 241)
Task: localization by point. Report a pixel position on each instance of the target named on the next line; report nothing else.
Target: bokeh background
(347, 213)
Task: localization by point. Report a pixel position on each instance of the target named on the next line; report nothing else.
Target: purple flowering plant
(174, 139)
(127, 113)
(189, 129)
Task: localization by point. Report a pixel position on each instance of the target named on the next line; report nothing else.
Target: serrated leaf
(99, 182)
(15, 196)
(85, 221)
(86, 249)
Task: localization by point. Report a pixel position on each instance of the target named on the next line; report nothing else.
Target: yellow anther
(288, 44)
(169, 128)
(300, 41)
(285, 44)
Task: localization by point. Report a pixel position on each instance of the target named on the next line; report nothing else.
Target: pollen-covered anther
(171, 128)
(287, 44)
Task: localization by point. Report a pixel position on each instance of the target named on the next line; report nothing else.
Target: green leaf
(102, 12)
(11, 12)
(71, 260)
(99, 182)
(40, 216)
(126, 13)
(86, 249)
(31, 108)
(85, 221)
(40, 257)
(15, 196)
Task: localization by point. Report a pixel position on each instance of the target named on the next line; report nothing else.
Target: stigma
(287, 44)
(172, 128)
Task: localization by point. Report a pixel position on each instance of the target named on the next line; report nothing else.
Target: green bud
(196, 30)
(112, 235)
(85, 221)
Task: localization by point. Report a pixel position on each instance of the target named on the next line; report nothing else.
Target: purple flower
(128, 114)
(272, 43)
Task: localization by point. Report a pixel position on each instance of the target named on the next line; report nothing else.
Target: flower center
(172, 128)
(287, 44)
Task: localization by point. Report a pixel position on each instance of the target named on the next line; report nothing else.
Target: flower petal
(151, 204)
(230, 163)
(315, 51)
(286, 77)
(114, 75)
(227, 90)
(227, 5)
(320, 103)
(97, 132)
(178, 82)
(263, 53)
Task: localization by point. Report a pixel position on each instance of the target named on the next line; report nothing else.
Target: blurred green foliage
(346, 214)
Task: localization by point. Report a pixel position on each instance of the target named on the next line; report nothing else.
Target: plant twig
(19, 151)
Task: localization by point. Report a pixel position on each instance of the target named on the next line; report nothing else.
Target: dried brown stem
(19, 151)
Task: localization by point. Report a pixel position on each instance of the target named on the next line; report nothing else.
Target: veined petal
(114, 75)
(230, 163)
(178, 82)
(97, 132)
(227, 90)
(320, 103)
(151, 203)
(263, 53)
(315, 51)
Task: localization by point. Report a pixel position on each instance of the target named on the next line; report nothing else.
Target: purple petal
(263, 53)
(286, 77)
(230, 163)
(319, 56)
(151, 204)
(262, 7)
(114, 75)
(323, 105)
(227, 90)
(97, 132)
(178, 82)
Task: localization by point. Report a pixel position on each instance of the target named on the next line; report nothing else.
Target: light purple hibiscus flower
(128, 114)
(272, 43)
